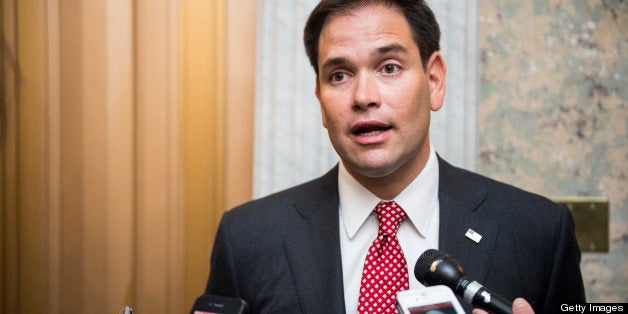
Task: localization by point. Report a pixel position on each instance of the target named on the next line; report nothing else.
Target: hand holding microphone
(437, 268)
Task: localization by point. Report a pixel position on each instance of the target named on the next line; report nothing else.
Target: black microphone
(437, 268)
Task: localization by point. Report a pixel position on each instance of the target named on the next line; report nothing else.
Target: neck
(391, 185)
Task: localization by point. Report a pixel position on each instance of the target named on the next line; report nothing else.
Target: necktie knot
(389, 216)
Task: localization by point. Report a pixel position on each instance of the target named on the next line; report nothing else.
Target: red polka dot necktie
(385, 270)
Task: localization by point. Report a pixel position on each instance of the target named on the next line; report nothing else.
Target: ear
(317, 92)
(437, 71)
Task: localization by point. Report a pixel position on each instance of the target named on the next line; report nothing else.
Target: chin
(373, 171)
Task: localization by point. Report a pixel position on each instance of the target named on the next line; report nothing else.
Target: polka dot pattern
(385, 270)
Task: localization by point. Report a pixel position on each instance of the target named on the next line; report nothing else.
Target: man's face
(375, 96)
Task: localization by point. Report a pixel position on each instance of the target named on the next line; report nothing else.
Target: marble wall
(552, 112)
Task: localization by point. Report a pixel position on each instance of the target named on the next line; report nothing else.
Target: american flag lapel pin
(474, 236)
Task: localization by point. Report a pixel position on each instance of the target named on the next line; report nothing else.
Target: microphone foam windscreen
(422, 266)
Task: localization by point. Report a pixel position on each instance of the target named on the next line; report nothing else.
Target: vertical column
(453, 128)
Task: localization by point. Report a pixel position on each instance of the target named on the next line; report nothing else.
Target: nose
(366, 92)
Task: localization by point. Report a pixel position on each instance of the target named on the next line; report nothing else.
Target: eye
(337, 77)
(390, 68)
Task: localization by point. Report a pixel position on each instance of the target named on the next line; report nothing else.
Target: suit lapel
(313, 248)
(312, 245)
(461, 195)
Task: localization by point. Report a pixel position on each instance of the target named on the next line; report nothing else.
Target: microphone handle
(476, 294)
(495, 305)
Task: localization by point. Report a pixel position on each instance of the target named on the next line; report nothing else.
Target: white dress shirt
(358, 224)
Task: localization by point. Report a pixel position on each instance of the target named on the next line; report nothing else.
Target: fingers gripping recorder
(437, 268)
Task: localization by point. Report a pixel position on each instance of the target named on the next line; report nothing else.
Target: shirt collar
(419, 199)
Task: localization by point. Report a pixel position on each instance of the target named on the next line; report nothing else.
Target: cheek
(406, 105)
(331, 111)
(333, 120)
(406, 94)
(413, 111)
(323, 117)
(417, 103)
(330, 116)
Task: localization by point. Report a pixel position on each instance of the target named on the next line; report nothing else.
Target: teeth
(372, 133)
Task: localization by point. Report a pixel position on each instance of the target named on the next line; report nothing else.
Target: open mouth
(370, 129)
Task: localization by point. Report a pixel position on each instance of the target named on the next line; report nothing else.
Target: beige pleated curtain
(128, 132)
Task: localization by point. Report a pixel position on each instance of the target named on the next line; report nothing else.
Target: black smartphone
(214, 304)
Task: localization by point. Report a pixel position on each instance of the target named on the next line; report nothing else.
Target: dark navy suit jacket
(281, 253)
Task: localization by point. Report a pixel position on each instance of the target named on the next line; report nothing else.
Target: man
(316, 248)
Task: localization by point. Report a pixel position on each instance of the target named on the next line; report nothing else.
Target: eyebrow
(333, 62)
(392, 48)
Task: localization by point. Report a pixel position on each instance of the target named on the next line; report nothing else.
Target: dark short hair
(423, 24)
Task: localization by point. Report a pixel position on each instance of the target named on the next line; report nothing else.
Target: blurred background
(129, 127)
